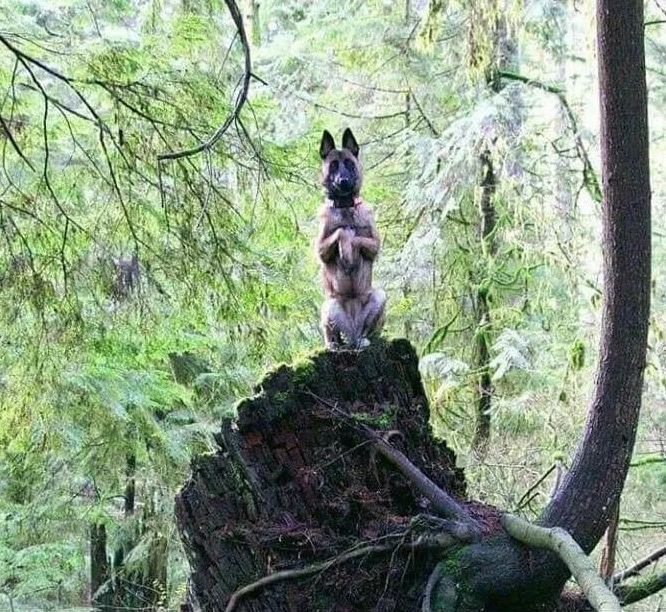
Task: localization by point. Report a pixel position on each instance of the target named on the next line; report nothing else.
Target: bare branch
(562, 544)
(427, 121)
(45, 169)
(10, 137)
(440, 499)
(527, 496)
(294, 574)
(27, 60)
(439, 541)
(635, 569)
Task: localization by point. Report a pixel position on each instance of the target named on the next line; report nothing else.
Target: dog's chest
(350, 218)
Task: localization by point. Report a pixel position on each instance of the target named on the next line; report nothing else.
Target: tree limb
(635, 569)
(580, 565)
(240, 99)
(440, 499)
(640, 589)
(294, 574)
(589, 175)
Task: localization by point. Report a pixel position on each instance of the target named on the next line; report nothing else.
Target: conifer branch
(240, 99)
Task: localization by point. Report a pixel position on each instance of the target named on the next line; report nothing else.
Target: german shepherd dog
(347, 245)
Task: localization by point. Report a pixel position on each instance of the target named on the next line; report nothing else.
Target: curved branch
(240, 99)
(442, 542)
(580, 565)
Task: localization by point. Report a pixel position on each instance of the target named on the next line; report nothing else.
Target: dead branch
(440, 541)
(635, 569)
(240, 99)
(527, 496)
(294, 574)
(561, 543)
(441, 500)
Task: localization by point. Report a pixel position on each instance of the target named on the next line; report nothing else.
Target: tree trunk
(99, 562)
(483, 323)
(501, 56)
(586, 501)
(296, 483)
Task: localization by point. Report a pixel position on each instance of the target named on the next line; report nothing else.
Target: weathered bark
(296, 483)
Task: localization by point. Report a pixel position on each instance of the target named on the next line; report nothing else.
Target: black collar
(351, 201)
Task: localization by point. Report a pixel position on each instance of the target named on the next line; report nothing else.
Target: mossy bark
(295, 483)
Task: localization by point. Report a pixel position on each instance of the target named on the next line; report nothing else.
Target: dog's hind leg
(371, 317)
(336, 324)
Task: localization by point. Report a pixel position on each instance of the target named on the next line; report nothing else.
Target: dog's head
(341, 172)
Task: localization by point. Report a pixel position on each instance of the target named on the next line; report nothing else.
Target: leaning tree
(328, 492)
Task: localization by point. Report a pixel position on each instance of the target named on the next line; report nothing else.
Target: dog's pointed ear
(327, 144)
(349, 142)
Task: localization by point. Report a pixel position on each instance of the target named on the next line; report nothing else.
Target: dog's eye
(335, 164)
(349, 164)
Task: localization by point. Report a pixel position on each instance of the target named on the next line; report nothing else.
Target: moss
(304, 370)
(280, 398)
(451, 565)
(384, 420)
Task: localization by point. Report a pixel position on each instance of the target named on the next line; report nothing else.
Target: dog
(347, 246)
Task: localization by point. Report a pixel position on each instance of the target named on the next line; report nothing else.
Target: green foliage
(95, 92)
(54, 569)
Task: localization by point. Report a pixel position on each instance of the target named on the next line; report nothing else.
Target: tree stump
(296, 483)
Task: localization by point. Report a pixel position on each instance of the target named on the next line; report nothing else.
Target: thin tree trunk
(99, 562)
(502, 57)
(130, 485)
(482, 361)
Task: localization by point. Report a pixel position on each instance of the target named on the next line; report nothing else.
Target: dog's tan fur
(347, 246)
